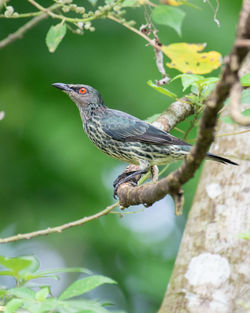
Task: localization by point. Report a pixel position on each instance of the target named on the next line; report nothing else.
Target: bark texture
(212, 270)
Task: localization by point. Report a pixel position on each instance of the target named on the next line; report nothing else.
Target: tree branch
(242, 45)
(138, 32)
(59, 229)
(151, 192)
(176, 113)
(22, 30)
(235, 97)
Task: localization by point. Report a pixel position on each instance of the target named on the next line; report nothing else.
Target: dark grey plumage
(124, 136)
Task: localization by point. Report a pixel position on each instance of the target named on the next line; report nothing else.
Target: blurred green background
(50, 173)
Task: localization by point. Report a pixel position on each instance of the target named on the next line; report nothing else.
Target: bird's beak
(62, 86)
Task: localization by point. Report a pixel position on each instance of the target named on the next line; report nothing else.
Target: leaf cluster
(27, 296)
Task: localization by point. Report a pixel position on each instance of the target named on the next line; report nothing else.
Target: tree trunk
(212, 270)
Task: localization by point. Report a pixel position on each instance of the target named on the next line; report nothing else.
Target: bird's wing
(124, 127)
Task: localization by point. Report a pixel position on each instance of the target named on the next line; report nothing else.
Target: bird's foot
(127, 177)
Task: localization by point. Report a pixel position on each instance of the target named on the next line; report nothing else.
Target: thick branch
(177, 112)
(150, 193)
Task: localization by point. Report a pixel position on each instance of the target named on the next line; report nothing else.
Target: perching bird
(126, 137)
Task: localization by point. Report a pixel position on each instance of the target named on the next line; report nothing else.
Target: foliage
(50, 171)
(245, 80)
(245, 236)
(187, 58)
(170, 16)
(37, 298)
(55, 35)
(162, 90)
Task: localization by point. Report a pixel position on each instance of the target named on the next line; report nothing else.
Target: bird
(125, 137)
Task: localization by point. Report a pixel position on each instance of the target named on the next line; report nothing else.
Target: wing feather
(124, 127)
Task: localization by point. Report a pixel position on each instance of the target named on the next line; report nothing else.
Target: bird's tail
(220, 159)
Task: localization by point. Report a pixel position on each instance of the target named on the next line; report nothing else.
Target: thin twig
(224, 135)
(23, 15)
(191, 126)
(150, 41)
(65, 18)
(233, 134)
(22, 30)
(61, 228)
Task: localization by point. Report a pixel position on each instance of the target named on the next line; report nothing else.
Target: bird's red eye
(82, 90)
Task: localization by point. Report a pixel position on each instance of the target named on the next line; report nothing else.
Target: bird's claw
(116, 186)
(127, 177)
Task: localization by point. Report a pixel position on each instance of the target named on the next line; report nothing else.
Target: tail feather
(220, 159)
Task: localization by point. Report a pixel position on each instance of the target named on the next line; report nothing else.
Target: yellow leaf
(187, 58)
(172, 2)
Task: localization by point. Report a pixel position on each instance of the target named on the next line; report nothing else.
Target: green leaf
(227, 119)
(84, 306)
(246, 112)
(48, 305)
(170, 16)
(18, 266)
(13, 305)
(22, 292)
(55, 36)
(162, 90)
(7, 273)
(33, 267)
(208, 81)
(245, 96)
(42, 294)
(84, 285)
(50, 273)
(2, 292)
(245, 80)
(189, 79)
(245, 236)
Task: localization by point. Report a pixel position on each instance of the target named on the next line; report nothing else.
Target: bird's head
(82, 95)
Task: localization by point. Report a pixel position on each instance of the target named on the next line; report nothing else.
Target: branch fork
(229, 85)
